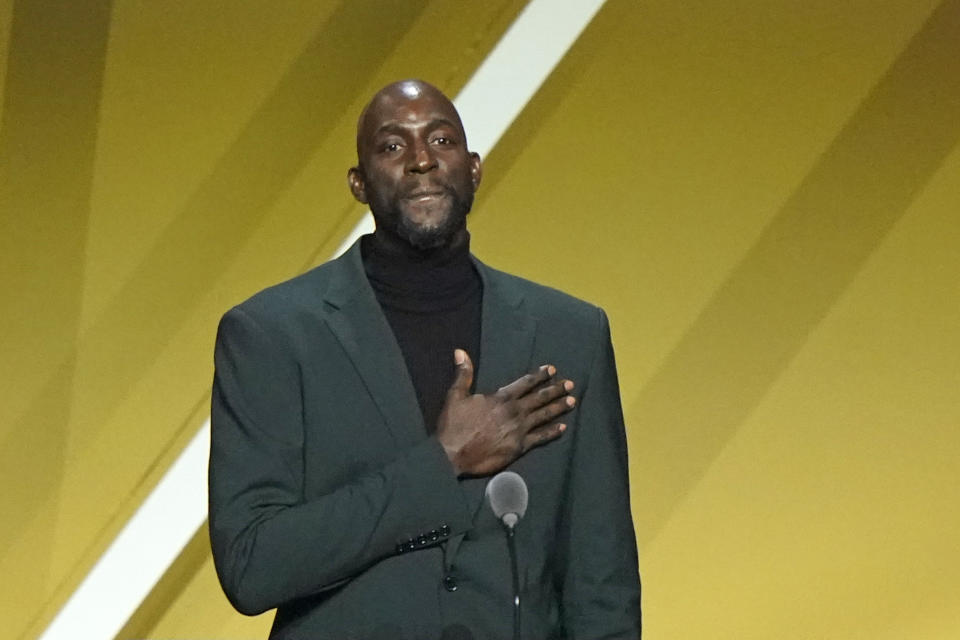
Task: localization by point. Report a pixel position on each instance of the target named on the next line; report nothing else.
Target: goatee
(424, 237)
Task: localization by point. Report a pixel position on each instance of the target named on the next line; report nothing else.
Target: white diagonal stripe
(513, 72)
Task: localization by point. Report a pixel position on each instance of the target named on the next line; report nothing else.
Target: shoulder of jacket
(304, 291)
(544, 300)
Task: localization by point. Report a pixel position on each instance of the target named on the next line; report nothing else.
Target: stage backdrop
(763, 194)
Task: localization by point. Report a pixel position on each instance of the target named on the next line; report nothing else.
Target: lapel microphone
(507, 495)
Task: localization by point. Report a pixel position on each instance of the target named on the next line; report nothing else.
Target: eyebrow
(436, 123)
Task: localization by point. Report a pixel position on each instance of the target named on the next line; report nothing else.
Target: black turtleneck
(432, 301)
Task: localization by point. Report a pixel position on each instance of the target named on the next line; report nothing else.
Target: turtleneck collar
(428, 281)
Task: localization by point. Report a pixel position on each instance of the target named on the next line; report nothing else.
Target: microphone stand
(507, 494)
(512, 547)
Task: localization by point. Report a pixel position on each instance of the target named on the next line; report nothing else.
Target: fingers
(549, 412)
(548, 393)
(542, 435)
(544, 395)
(538, 398)
(464, 375)
(524, 384)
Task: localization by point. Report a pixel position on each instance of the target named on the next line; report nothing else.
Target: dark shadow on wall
(48, 133)
(759, 319)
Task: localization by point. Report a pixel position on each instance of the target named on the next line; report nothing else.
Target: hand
(482, 434)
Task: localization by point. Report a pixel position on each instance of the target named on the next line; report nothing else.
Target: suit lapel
(506, 345)
(506, 333)
(359, 324)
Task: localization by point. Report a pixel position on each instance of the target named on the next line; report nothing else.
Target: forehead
(406, 108)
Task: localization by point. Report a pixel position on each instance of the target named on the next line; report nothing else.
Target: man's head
(413, 166)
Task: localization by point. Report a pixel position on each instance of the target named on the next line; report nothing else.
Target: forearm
(273, 537)
(269, 554)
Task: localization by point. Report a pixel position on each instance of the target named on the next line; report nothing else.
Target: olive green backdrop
(764, 195)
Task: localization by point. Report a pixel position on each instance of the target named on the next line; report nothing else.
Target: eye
(390, 147)
(443, 140)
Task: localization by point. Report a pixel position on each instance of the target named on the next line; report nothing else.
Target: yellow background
(764, 195)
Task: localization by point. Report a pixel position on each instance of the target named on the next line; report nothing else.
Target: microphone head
(507, 495)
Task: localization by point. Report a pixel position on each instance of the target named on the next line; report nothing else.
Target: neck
(406, 277)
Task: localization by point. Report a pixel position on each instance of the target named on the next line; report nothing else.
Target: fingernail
(562, 427)
(552, 370)
(571, 401)
(459, 356)
(568, 385)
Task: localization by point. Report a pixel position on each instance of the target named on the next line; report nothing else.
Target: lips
(417, 195)
(425, 192)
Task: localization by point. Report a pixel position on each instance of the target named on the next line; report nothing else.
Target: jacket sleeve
(271, 545)
(601, 583)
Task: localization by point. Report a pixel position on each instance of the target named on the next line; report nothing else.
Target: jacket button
(422, 541)
(411, 544)
(449, 583)
(401, 548)
(434, 535)
(444, 530)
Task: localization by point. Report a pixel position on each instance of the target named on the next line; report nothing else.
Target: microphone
(507, 495)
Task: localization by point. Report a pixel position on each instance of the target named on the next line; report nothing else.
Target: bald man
(360, 409)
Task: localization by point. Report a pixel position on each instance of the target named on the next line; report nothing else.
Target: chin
(424, 238)
(425, 229)
(430, 236)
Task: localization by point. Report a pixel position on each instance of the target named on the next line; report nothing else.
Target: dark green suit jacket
(329, 502)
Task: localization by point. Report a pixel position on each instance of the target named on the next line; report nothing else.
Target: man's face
(415, 170)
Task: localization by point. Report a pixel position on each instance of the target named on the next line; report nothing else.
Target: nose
(421, 158)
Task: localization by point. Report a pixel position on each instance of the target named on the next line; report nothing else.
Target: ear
(476, 169)
(357, 186)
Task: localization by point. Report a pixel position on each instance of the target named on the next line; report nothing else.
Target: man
(360, 409)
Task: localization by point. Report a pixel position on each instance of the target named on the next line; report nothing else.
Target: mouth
(423, 195)
(426, 192)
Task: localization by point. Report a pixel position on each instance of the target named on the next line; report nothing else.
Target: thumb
(464, 376)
